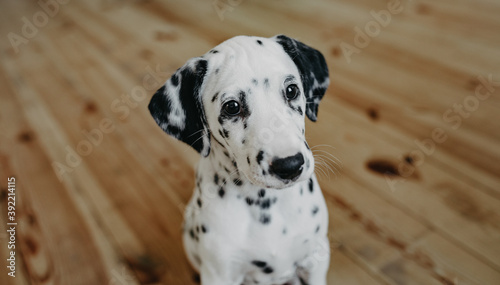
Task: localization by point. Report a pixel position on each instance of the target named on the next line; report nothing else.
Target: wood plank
(38, 234)
(434, 252)
(121, 206)
(134, 206)
(428, 190)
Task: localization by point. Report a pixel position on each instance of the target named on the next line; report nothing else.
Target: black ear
(313, 72)
(178, 109)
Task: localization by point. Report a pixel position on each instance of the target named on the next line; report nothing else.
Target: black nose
(288, 167)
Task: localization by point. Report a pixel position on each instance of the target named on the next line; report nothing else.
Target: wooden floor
(412, 114)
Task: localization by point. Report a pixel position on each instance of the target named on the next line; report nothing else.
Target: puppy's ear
(313, 72)
(177, 106)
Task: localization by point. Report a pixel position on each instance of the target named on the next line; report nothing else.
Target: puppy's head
(248, 95)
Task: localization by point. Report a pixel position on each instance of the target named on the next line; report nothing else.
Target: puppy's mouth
(276, 184)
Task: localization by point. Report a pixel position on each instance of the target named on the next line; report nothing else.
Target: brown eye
(292, 91)
(231, 108)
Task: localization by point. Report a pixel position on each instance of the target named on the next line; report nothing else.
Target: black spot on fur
(266, 82)
(215, 97)
(301, 190)
(221, 134)
(221, 192)
(275, 199)
(249, 201)
(214, 51)
(262, 193)
(265, 218)
(259, 42)
(245, 125)
(248, 159)
(245, 110)
(255, 82)
(300, 111)
(317, 229)
(226, 133)
(204, 229)
(260, 264)
(260, 156)
(265, 204)
(235, 164)
(311, 185)
(216, 71)
(237, 182)
(200, 203)
(243, 141)
(191, 234)
(315, 210)
(226, 153)
(268, 270)
(216, 179)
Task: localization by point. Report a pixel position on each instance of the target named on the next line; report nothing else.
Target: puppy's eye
(292, 91)
(231, 108)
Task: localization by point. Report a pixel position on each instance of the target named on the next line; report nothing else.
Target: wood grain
(404, 209)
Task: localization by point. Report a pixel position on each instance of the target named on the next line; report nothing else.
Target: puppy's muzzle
(288, 168)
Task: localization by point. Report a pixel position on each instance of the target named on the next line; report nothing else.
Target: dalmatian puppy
(257, 214)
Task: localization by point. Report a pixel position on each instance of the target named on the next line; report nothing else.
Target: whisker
(333, 159)
(323, 145)
(198, 139)
(195, 133)
(326, 162)
(324, 171)
(320, 170)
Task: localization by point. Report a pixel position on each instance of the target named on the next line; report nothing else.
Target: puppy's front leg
(314, 269)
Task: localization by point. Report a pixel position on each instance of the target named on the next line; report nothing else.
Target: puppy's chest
(268, 216)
